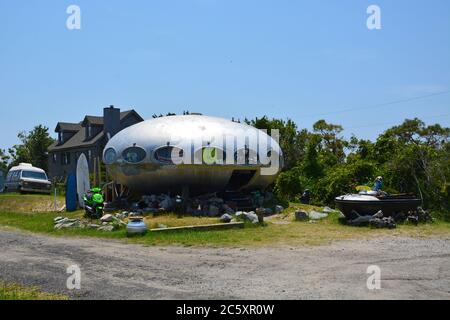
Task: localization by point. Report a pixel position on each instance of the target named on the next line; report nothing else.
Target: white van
(26, 178)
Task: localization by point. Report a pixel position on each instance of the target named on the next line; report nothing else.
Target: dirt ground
(411, 268)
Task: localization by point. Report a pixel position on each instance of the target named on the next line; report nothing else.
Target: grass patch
(30, 202)
(281, 230)
(292, 233)
(9, 291)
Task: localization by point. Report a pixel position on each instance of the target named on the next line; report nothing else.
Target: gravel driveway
(410, 269)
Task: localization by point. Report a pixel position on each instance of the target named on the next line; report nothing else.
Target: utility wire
(393, 123)
(377, 105)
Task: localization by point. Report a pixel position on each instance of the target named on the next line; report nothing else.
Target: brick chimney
(111, 121)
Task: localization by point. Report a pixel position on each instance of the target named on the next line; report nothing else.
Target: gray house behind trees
(89, 137)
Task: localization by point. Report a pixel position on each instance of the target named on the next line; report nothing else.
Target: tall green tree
(415, 158)
(331, 146)
(292, 141)
(412, 157)
(4, 159)
(33, 147)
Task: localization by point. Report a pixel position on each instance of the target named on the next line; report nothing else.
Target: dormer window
(89, 128)
(60, 137)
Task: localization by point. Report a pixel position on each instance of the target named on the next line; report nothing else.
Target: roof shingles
(79, 139)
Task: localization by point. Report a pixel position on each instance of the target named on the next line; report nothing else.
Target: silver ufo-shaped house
(201, 153)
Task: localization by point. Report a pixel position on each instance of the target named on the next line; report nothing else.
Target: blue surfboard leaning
(71, 193)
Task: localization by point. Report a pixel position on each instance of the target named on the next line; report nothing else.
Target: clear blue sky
(296, 59)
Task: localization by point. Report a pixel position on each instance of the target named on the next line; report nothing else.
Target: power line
(378, 105)
(393, 123)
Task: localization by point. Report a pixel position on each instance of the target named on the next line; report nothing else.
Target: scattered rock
(424, 215)
(252, 217)
(413, 219)
(64, 223)
(67, 223)
(107, 218)
(247, 216)
(399, 216)
(226, 218)
(314, 215)
(379, 221)
(364, 220)
(63, 220)
(301, 215)
(122, 215)
(58, 226)
(382, 223)
(240, 214)
(327, 210)
(118, 222)
(279, 209)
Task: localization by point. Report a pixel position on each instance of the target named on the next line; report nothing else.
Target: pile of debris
(108, 222)
(153, 204)
(312, 215)
(375, 221)
(414, 217)
(378, 220)
(251, 216)
(248, 216)
(209, 205)
(256, 216)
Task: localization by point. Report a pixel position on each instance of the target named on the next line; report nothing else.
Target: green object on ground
(93, 203)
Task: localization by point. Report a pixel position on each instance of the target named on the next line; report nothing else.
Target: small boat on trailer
(369, 203)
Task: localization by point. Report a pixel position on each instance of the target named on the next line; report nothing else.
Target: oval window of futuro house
(110, 156)
(210, 156)
(169, 155)
(134, 154)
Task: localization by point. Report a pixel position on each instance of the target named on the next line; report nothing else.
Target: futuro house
(199, 153)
